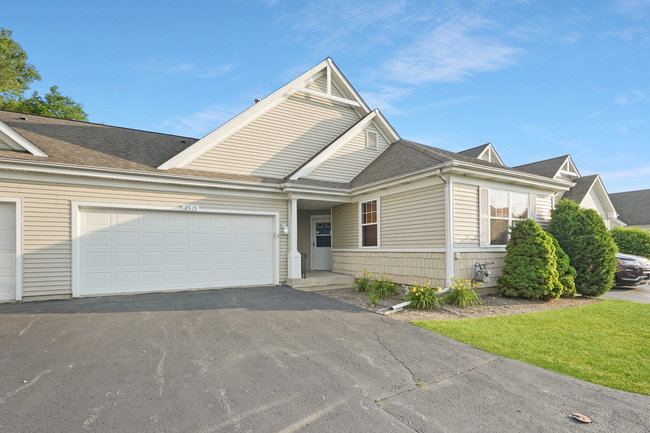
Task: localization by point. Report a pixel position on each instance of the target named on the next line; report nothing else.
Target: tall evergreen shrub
(566, 272)
(531, 264)
(584, 238)
(632, 240)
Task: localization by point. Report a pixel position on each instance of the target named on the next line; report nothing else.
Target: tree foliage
(15, 72)
(584, 238)
(15, 76)
(531, 264)
(53, 104)
(632, 240)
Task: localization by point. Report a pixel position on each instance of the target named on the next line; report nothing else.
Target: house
(588, 191)
(309, 172)
(633, 208)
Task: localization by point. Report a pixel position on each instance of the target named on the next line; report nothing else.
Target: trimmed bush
(632, 240)
(584, 238)
(531, 264)
(566, 272)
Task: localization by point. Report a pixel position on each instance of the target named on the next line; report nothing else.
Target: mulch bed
(495, 305)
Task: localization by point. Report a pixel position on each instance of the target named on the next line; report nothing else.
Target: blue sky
(538, 79)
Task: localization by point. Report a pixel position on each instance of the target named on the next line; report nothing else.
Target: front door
(321, 243)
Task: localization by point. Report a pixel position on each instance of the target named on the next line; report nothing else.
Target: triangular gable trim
(329, 150)
(568, 168)
(492, 153)
(604, 197)
(17, 141)
(298, 84)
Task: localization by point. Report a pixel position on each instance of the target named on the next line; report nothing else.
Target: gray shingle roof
(474, 151)
(87, 144)
(581, 188)
(633, 207)
(546, 168)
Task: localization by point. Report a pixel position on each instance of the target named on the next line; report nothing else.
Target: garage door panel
(158, 250)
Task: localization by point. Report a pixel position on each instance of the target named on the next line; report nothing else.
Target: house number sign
(189, 207)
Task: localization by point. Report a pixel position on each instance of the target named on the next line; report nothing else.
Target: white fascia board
(433, 171)
(570, 170)
(129, 176)
(604, 198)
(347, 84)
(489, 148)
(394, 136)
(17, 141)
(242, 119)
(503, 174)
(336, 145)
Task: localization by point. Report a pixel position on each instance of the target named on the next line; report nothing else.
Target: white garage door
(7, 251)
(123, 251)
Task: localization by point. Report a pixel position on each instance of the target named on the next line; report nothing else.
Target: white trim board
(76, 208)
(17, 141)
(18, 203)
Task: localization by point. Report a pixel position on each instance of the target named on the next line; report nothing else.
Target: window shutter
(532, 210)
(484, 206)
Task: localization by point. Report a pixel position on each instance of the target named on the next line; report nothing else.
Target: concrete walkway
(640, 293)
(271, 360)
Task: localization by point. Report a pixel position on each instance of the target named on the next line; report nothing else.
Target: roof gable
(485, 152)
(557, 168)
(335, 84)
(585, 188)
(11, 140)
(327, 156)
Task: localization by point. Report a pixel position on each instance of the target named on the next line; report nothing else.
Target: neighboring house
(588, 191)
(89, 209)
(633, 208)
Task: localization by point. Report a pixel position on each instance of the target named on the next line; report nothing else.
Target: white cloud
(170, 68)
(385, 98)
(199, 123)
(630, 98)
(634, 172)
(451, 52)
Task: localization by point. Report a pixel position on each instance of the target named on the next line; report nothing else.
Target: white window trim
(509, 219)
(376, 146)
(361, 246)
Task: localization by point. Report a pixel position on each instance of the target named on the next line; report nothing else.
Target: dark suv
(632, 270)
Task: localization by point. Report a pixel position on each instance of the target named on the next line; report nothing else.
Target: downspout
(449, 227)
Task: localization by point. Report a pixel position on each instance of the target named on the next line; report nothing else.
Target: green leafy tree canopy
(632, 240)
(15, 76)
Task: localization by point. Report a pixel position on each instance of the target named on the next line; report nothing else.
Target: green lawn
(606, 343)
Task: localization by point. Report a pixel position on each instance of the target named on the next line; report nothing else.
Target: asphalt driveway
(640, 293)
(271, 360)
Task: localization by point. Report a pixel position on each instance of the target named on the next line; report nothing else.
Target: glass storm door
(321, 244)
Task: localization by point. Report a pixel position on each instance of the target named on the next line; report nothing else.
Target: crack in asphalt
(402, 363)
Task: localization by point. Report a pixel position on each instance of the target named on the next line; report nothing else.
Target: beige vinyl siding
(544, 205)
(413, 219)
(592, 201)
(47, 266)
(466, 214)
(345, 226)
(350, 159)
(320, 85)
(280, 140)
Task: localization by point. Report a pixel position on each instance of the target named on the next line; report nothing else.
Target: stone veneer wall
(464, 265)
(403, 268)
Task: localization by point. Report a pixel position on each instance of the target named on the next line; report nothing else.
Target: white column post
(294, 255)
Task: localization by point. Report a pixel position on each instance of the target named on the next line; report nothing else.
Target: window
(505, 209)
(369, 224)
(371, 140)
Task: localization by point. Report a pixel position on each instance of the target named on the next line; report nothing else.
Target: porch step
(320, 280)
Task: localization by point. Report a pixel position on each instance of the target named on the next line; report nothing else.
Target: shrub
(566, 272)
(364, 281)
(423, 297)
(384, 287)
(632, 240)
(462, 293)
(584, 238)
(531, 264)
